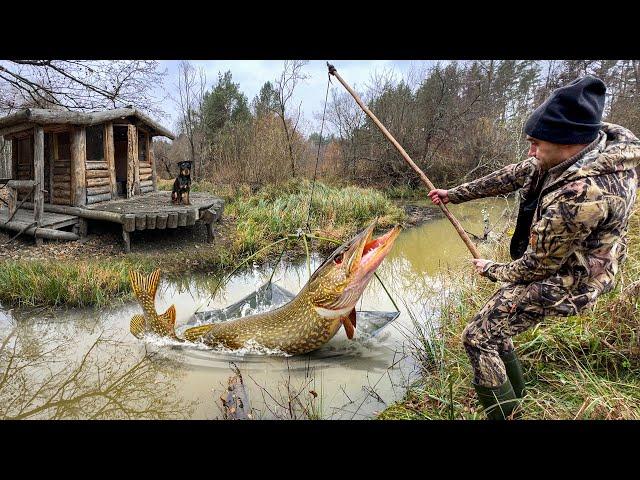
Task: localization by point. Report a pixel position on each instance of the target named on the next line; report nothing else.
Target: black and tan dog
(182, 185)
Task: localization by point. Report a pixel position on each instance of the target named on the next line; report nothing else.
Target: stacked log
(146, 177)
(61, 173)
(98, 182)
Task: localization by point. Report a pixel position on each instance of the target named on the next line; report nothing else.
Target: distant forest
(457, 120)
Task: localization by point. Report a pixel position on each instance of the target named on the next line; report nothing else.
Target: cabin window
(142, 147)
(64, 146)
(95, 143)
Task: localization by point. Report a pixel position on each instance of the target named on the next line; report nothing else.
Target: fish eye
(338, 258)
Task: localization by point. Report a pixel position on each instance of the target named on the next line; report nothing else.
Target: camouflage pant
(512, 310)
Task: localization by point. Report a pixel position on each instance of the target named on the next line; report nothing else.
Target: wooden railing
(12, 201)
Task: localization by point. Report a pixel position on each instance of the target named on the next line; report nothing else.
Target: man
(578, 189)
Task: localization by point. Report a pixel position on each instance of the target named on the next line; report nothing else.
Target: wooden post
(141, 221)
(127, 240)
(54, 162)
(161, 221)
(83, 225)
(109, 157)
(14, 159)
(133, 170)
(12, 200)
(210, 232)
(38, 172)
(52, 159)
(152, 161)
(78, 167)
(129, 222)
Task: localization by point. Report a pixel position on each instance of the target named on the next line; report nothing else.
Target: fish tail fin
(167, 322)
(145, 286)
(192, 334)
(137, 326)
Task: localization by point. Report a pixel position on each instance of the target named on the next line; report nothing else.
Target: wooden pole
(78, 167)
(52, 161)
(38, 166)
(14, 159)
(83, 212)
(152, 161)
(38, 232)
(109, 156)
(454, 221)
(133, 175)
(12, 202)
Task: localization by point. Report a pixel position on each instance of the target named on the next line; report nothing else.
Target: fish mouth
(369, 252)
(359, 258)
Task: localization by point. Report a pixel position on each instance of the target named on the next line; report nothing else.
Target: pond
(84, 363)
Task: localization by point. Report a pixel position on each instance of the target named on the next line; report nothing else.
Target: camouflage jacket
(578, 236)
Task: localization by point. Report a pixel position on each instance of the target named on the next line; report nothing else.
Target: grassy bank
(252, 221)
(580, 367)
(65, 283)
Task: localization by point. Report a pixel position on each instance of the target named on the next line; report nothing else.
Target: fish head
(337, 284)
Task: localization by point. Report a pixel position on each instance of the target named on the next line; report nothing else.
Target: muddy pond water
(84, 363)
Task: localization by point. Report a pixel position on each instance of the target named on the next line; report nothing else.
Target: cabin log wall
(61, 189)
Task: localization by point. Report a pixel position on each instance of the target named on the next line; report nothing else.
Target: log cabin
(70, 167)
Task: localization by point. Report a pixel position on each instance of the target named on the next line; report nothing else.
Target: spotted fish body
(294, 328)
(307, 322)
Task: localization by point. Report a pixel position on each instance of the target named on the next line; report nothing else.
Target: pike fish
(326, 303)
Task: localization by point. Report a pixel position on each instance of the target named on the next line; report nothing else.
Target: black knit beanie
(572, 113)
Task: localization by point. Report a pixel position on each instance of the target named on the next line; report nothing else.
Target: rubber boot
(498, 402)
(514, 372)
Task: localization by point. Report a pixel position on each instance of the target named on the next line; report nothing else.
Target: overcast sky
(252, 74)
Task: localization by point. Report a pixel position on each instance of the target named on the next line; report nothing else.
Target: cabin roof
(40, 116)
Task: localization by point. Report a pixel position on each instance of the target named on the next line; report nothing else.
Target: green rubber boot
(514, 372)
(498, 402)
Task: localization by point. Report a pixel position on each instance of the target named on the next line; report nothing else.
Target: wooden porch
(154, 211)
(148, 211)
(50, 225)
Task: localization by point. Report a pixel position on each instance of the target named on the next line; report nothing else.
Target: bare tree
(80, 84)
(162, 156)
(285, 86)
(191, 90)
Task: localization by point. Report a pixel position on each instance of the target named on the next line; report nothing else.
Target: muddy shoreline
(105, 240)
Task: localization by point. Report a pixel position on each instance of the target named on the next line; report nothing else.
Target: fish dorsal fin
(145, 285)
(137, 325)
(192, 334)
(170, 316)
(349, 323)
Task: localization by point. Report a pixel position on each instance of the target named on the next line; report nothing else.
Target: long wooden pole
(456, 224)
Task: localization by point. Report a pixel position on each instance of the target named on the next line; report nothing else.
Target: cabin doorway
(120, 146)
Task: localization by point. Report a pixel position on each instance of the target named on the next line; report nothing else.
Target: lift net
(271, 296)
